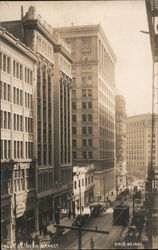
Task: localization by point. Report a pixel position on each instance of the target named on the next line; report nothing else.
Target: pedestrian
(69, 214)
(92, 244)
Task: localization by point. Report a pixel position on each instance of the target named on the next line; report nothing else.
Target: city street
(101, 241)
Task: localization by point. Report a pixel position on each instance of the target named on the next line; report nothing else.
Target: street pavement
(101, 241)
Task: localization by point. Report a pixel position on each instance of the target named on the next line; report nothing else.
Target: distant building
(83, 184)
(52, 150)
(120, 123)
(17, 92)
(139, 144)
(93, 103)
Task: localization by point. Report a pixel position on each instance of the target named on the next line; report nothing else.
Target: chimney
(22, 12)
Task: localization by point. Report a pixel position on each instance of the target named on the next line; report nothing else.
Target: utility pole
(79, 228)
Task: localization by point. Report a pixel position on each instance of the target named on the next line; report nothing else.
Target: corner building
(93, 103)
(53, 179)
(17, 91)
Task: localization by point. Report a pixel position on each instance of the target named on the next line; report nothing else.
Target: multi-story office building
(17, 91)
(93, 102)
(52, 114)
(139, 144)
(120, 114)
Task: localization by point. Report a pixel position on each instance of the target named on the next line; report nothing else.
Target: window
(73, 105)
(83, 105)
(74, 143)
(5, 149)
(84, 142)
(84, 130)
(9, 94)
(90, 142)
(74, 155)
(5, 91)
(84, 154)
(21, 98)
(83, 92)
(83, 80)
(9, 120)
(86, 181)
(84, 118)
(4, 62)
(74, 130)
(14, 95)
(90, 155)
(74, 118)
(82, 182)
(14, 121)
(90, 105)
(15, 149)
(9, 149)
(75, 184)
(89, 130)
(89, 92)
(92, 178)
(90, 117)
(17, 96)
(5, 119)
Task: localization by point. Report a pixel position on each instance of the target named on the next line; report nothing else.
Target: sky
(122, 22)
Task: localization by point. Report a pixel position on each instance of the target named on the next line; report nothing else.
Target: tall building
(93, 103)
(17, 92)
(139, 135)
(52, 150)
(120, 122)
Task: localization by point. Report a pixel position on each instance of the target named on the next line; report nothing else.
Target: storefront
(46, 211)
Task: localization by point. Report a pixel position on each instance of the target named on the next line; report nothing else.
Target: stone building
(139, 138)
(17, 90)
(120, 114)
(83, 183)
(93, 103)
(52, 96)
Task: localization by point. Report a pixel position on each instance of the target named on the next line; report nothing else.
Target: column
(41, 97)
(47, 124)
(63, 120)
(66, 143)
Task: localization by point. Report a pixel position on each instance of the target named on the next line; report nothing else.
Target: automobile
(81, 220)
(97, 209)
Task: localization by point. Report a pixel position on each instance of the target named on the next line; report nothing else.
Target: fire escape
(152, 178)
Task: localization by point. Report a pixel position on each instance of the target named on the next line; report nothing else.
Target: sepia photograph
(79, 124)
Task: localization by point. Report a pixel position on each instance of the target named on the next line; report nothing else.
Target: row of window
(5, 93)
(84, 105)
(85, 182)
(5, 65)
(17, 96)
(86, 80)
(84, 130)
(85, 118)
(5, 120)
(85, 142)
(18, 148)
(85, 155)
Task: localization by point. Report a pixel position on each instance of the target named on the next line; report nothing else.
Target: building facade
(93, 102)
(120, 115)
(83, 183)
(139, 138)
(17, 89)
(52, 96)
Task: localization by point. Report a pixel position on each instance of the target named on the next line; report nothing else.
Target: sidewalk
(66, 221)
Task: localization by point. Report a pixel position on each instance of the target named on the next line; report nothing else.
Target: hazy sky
(122, 22)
